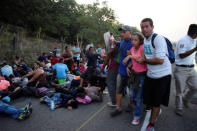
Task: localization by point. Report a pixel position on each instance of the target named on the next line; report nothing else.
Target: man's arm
(27, 75)
(154, 61)
(187, 53)
(106, 62)
(128, 69)
(38, 73)
(75, 52)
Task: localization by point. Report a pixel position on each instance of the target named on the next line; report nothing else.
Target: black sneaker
(28, 106)
(116, 112)
(28, 110)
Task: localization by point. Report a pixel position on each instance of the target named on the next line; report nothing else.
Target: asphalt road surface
(95, 117)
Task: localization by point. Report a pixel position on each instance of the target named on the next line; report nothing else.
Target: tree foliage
(61, 18)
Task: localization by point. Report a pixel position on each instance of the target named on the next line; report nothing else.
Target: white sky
(171, 17)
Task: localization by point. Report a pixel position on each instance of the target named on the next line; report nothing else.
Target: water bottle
(112, 41)
(52, 105)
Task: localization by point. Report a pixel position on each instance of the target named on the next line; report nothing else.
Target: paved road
(95, 117)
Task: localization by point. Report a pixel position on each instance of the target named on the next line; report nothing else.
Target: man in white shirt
(185, 73)
(156, 89)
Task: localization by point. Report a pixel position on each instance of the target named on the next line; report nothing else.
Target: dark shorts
(89, 73)
(156, 92)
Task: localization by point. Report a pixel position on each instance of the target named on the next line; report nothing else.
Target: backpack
(171, 55)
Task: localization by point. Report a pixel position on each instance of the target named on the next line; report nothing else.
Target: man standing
(122, 77)
(157, 83)
(185, 73)
(112, 72)
(91, 71)
(76, 53)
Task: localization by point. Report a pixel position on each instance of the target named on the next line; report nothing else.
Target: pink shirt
(4, 84)
(137, 67)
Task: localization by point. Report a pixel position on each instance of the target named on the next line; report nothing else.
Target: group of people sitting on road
(58, 80)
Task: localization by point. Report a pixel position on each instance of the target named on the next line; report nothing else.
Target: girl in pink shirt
(137, 74)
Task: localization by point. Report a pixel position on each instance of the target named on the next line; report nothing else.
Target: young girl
(81, 67)
(137, 74)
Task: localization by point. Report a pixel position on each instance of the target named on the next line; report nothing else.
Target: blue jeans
(56, 98)
(136, 97)
(10, 110)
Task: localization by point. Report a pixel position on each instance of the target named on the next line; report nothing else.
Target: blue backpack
(170, 55)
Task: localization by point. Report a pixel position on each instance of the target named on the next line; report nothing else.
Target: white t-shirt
(160, 51)
(183, 45)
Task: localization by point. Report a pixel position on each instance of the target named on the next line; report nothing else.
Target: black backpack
(171, 55)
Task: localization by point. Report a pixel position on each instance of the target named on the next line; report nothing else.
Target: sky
(171, 18)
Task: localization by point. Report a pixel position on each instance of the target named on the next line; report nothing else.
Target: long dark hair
(140, 37)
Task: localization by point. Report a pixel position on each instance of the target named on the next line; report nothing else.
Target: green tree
(62, 19)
